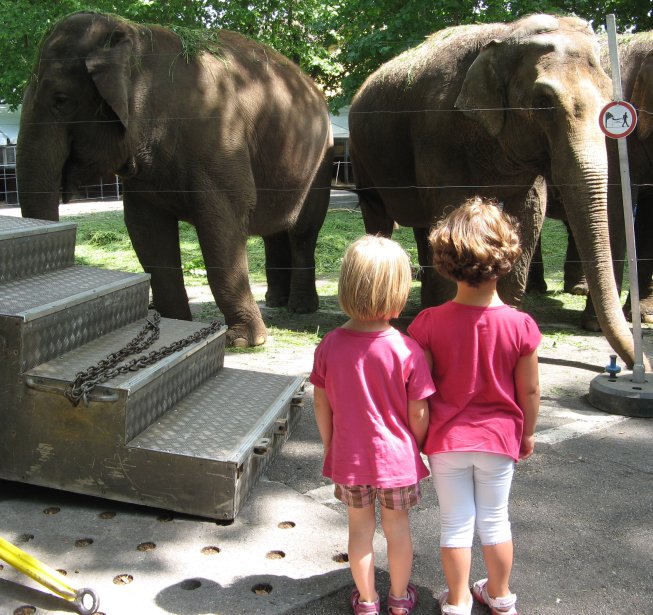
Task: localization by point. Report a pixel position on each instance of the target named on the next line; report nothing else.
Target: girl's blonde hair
(375, 279)
(475, 243)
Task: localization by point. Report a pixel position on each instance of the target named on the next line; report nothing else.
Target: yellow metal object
(86, 600)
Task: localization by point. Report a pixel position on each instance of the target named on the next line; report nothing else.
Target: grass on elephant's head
(102, 241)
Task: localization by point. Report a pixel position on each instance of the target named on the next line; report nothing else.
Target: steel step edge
(29, 247)
(53, 328)
(145, 394)
(228, 431)
(58, 291)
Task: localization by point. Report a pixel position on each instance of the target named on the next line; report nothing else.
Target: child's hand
(527, 447)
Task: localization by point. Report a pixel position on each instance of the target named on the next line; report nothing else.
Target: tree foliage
(338, 42)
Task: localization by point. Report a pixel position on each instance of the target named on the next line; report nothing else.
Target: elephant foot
(276, 298)
(646, 314)
(576, 289)
(537, 287)
(304, 304)
(590, 323)
(244, 336)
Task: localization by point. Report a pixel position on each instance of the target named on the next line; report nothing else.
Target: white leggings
(473, 489)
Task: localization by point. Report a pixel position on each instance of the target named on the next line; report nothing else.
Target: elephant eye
(63, 103)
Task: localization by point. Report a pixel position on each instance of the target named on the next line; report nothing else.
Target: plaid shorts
(394, 498)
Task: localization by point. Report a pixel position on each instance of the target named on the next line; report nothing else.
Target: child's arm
(418, 419)
(323, 416)
(527, 388)
(429, 358)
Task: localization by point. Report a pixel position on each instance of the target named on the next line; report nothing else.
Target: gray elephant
(636, 67)
(236, 141)
(491, 110)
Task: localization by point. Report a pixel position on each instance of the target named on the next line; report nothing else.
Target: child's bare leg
(396, 527)
(498, 561)
(362, 524)
(456, 564)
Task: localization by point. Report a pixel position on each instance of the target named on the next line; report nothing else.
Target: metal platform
(182, 433)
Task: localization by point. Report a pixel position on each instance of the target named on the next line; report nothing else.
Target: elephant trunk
(587, 211)
(40, 160)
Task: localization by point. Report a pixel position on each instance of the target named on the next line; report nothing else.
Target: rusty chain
(110, 367)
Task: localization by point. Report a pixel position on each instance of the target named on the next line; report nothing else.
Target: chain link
(110, 367)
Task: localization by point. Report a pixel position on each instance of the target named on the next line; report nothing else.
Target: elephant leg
(435, 289)
(278, 265)
(536, 282)
(574, 276)
(156, 242)
(225, 257)
(302, 239)
(375, 218)
(644, 246)
(528, 209)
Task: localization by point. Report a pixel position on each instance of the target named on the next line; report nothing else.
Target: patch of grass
(102, 241)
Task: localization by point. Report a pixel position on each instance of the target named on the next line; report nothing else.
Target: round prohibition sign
(618, 119)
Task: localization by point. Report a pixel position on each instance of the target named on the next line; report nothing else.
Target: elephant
(636, 68)
(234, 139)
(495, 110)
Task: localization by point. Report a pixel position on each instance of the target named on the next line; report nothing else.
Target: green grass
(102, 241)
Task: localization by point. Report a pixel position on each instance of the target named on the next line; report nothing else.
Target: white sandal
(503, 605)
(453, 609)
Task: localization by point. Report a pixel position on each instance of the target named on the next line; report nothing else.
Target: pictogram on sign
(618, 119)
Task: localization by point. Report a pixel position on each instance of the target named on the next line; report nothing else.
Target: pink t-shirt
(369, 378)
(475, 351)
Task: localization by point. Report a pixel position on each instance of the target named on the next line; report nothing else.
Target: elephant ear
(481, 97)
(642, 98)
(109, 66)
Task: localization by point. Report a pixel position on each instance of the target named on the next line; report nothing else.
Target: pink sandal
(364, 608)
(504, 605)
(403, 604)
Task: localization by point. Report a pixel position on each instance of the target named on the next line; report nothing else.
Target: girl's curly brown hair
(475, 243)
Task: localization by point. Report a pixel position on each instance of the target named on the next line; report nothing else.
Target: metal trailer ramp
(184, 433)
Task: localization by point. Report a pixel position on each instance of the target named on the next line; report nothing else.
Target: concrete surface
(581, 512)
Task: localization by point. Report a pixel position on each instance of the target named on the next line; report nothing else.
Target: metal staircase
(183, 433)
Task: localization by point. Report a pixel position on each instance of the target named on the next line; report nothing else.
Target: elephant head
(559, 101)
(83, 121)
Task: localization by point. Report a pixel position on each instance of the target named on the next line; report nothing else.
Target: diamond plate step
(146, 394)
(221, 438)
(29, 247)
(47, 315)
(201, 458)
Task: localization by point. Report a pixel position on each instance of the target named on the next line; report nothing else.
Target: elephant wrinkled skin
(236, 141)
(494, 110)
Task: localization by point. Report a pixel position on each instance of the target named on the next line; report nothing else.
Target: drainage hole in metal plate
(62, 572)
(275, 555)
(225, 522)
(262, 589)
(25, 538)
(286, 525)
(51, 510)
(108, 514)
(190, 584)
(146, 546)
(25, 610)
(83, 542)
(341, 558)
(210, 550)
(165, 518)
(123, 579)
